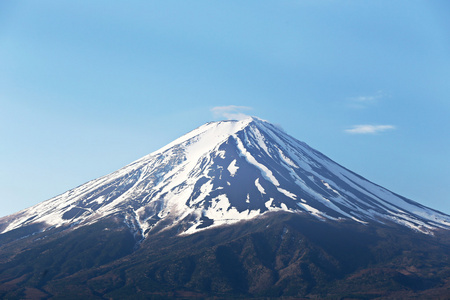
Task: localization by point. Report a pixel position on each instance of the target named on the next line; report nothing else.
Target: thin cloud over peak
(364, 101)
(230, 112)
(369, 129)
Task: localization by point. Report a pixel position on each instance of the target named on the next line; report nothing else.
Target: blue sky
(87, 87)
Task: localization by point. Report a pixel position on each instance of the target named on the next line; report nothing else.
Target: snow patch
(287, 193)
(232, 168)
(259, 186)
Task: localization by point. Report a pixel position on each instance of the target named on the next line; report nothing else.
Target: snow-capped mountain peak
(225, 172)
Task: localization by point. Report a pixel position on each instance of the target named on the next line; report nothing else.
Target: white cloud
(369, 129)
(366, 100)
(230, 112)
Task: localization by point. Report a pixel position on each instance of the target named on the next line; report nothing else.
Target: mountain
(231, 209)
(221, 173)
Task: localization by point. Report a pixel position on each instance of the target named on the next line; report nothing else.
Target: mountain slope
(231, 209)
(220, 173)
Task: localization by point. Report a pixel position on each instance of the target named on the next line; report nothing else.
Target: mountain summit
(221, 173)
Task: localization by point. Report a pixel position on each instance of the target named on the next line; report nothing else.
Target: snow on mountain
(222, 173)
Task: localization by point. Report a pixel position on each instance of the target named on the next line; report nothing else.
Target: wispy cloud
(365, 100)
(230, 112)
(369, 129)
